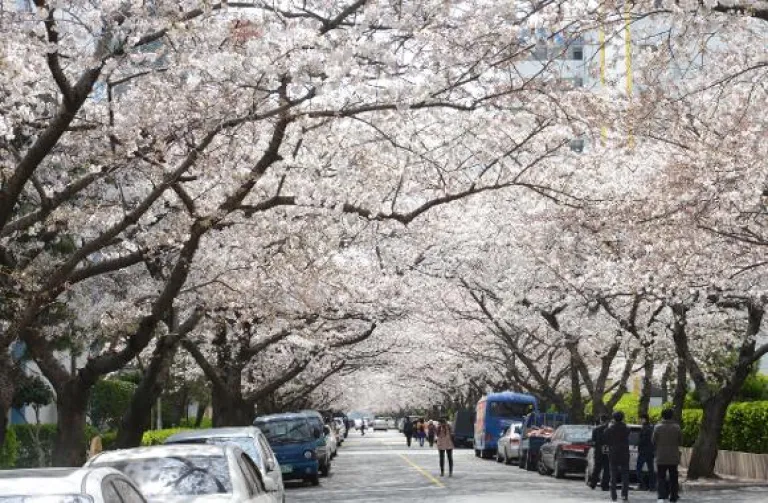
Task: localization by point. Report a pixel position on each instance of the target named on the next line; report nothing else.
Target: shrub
(36, 443)
(9, 451)
(207, 422)
(109, 401)
(157, 437)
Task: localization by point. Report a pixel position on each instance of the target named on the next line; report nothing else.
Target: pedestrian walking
(617, 440)
(601, 468)
(408, 431)
(645, 456)
(667, 437)
(444, 435)
(431, 431)
(421, 433)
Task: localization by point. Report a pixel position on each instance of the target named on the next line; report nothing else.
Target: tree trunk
(577, 403)
(139, 414)
(7, 389)
(647, 386)
(229, 409)
(704, 453)
(69, 445)
(200, 413)
(681, 389)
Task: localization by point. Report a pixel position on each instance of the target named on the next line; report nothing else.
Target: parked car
(331, 440)
(509, 444)
(566, 451)
(191, 473)
(71, 485)
(634, 439)
(294, 442)
(316, 424)
(340, 428)
(380, 423)
(250, 439)
(391, 423)
(538, 428)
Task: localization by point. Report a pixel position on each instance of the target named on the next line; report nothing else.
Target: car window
(252, 474)
(127, 493)
(188, 475)
(266, 448)
(108, 491)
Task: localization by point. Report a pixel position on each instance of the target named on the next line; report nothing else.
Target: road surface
(380, 468)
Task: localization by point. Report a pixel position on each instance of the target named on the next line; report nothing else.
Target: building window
(577, 145)
(577, 53)
(540, 51)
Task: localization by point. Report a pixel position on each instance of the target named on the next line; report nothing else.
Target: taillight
(514, 441)
(576, 448)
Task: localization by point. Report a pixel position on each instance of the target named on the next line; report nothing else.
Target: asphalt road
(380, 468)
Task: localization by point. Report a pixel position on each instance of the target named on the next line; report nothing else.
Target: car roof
(47, 481)
(280, 417)
(504, 396)
(244, 431)
(161, 451)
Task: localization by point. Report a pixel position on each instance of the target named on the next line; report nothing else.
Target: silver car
(509, 444)
(68, 485)
(191, 473)
(250, 439)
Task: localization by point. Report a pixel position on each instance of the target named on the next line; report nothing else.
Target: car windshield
(578, 434)
(247, 444)
(186, 476)
(510, 409)
(286, 431)
(52, 498)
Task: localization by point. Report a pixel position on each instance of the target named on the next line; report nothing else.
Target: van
(294, 442)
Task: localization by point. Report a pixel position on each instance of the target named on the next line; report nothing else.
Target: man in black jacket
(408, 430)
(601, 456)
(645, 456)
(617, 440)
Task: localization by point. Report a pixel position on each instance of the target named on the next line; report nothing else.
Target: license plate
(286, 468)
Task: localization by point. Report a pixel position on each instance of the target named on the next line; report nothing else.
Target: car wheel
(521, 460)
(314, 480)
(477, 453)
(498, 456)
(543, 470)
(507, 459)
(559, 470)
(325, 469)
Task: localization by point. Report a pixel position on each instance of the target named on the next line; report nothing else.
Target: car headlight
(309, 454)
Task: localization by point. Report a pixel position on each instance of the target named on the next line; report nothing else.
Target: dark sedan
(566, 451)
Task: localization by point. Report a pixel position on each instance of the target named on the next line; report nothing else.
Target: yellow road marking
(422, 471)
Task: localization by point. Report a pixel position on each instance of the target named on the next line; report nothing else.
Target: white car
(509, 444)
(192, 473)
(391, 423)
(70, 485)
(380, 423)
(331, 441)
(250, 439)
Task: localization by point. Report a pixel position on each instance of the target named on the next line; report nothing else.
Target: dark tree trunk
(681, 389)
(231, 410)
(69, 445)
(647, 387)
(139, 414)
(577, 403)
(200, 414)
(705, 448)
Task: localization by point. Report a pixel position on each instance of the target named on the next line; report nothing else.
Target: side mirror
(270, 485)
(271, 465)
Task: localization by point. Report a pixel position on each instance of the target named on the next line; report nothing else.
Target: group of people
(439, 433)
(658, 449)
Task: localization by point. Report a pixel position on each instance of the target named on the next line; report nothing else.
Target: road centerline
(424, 472)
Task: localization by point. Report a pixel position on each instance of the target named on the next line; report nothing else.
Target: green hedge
(9, 451)
(157, 437)
(30, 455)
(745, 428)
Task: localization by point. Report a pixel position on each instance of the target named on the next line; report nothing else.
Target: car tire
(521, 460)
(314, 480)
(559, 470)
(477, 453)
(325, 469)
(542, 468)
(507, 459)
(499, 459)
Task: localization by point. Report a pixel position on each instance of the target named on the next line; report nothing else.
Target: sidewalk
(722, 482)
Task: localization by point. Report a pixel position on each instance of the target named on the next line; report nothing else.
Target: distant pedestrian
(601, 468)
(444, 434)
(431, 430)
(645, 455)
(617, 440)
(408, 431)
(421, 433)
(667, 437)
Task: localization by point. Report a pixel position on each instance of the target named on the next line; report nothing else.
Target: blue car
(294, 442)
